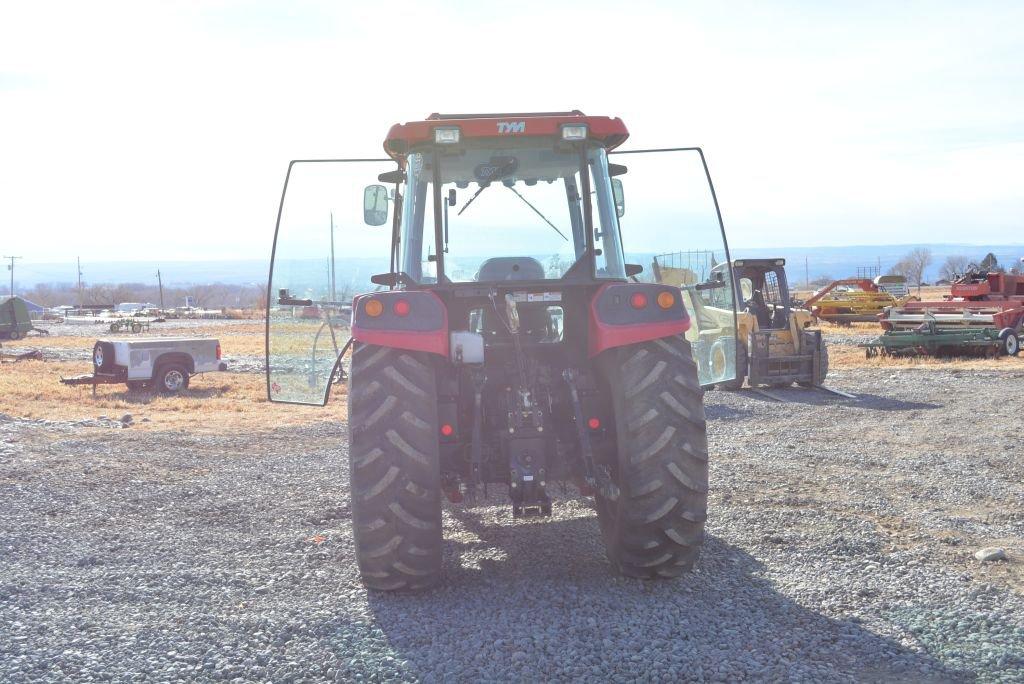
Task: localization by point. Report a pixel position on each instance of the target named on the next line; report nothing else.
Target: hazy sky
(163, 130)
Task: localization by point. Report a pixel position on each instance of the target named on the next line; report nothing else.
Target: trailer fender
(175, 357)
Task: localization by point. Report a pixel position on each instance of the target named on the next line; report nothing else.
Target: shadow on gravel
(538, 602)
(874, 402)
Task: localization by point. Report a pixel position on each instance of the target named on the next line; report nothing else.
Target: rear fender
(424, 326)
(616, 322)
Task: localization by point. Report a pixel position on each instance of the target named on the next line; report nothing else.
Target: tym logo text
(511, 127)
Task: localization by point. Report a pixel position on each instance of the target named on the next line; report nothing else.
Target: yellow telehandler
(779, 343)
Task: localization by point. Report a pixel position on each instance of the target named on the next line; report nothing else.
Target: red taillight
(594, 423)
(638, 300)
(447, 430)
(218, 351)
(401, 307)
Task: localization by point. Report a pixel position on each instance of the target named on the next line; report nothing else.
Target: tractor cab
(485, 212)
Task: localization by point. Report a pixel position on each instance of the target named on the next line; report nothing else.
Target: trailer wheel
(171, 378)
(395, 473)
(1010, 342)
(103, 356)
(741, 369)
(15, 335)
(654, 527)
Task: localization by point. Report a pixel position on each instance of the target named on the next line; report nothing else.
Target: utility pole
(160, 283)
(80, 302)
(333, 295)
(10, 268)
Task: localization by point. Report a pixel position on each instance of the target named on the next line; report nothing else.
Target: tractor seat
(510, 268)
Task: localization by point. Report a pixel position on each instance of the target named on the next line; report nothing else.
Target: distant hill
(838, 262)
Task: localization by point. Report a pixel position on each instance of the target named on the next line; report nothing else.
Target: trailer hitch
(476, 448)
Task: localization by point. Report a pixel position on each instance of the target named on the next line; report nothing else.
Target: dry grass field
(236, 401)
(214, 403)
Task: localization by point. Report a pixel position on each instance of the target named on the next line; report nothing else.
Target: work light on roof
(574, 132)
(446, 136)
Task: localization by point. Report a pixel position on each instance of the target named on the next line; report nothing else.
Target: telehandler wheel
(395, 472)
(741, 369)
(655, 527)
(823, 367)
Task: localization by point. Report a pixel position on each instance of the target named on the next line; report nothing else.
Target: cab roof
(610, 132)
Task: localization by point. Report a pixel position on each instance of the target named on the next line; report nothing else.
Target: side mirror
(620, 198)
(375, 205)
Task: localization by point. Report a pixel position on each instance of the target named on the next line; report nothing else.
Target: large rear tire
(395, 468)
(655, 527)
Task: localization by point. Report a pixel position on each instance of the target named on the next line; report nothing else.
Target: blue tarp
(31, 306)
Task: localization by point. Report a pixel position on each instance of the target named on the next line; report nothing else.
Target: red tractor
(503, 335)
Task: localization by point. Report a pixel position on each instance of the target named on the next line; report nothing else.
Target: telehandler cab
(501, 333)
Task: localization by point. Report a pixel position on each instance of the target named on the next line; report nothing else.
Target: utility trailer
(164, 364)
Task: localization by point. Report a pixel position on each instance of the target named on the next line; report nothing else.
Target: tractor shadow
(517, 595)
(863, 400)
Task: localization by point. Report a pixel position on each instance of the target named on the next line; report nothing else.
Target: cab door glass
(333, 234)
(674, 231)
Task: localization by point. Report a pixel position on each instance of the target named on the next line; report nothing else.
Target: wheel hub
(173, 380)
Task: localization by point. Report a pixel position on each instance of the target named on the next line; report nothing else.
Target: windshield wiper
(537, 211)
(475, 195)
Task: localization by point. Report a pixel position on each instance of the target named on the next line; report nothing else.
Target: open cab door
(672, 227)
(333, 233)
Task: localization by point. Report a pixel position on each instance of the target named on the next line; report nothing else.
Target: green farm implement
(933, 340)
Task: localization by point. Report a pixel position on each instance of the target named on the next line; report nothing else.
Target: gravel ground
(840, 547)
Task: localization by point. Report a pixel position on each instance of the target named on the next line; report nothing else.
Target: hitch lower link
(596, 475)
